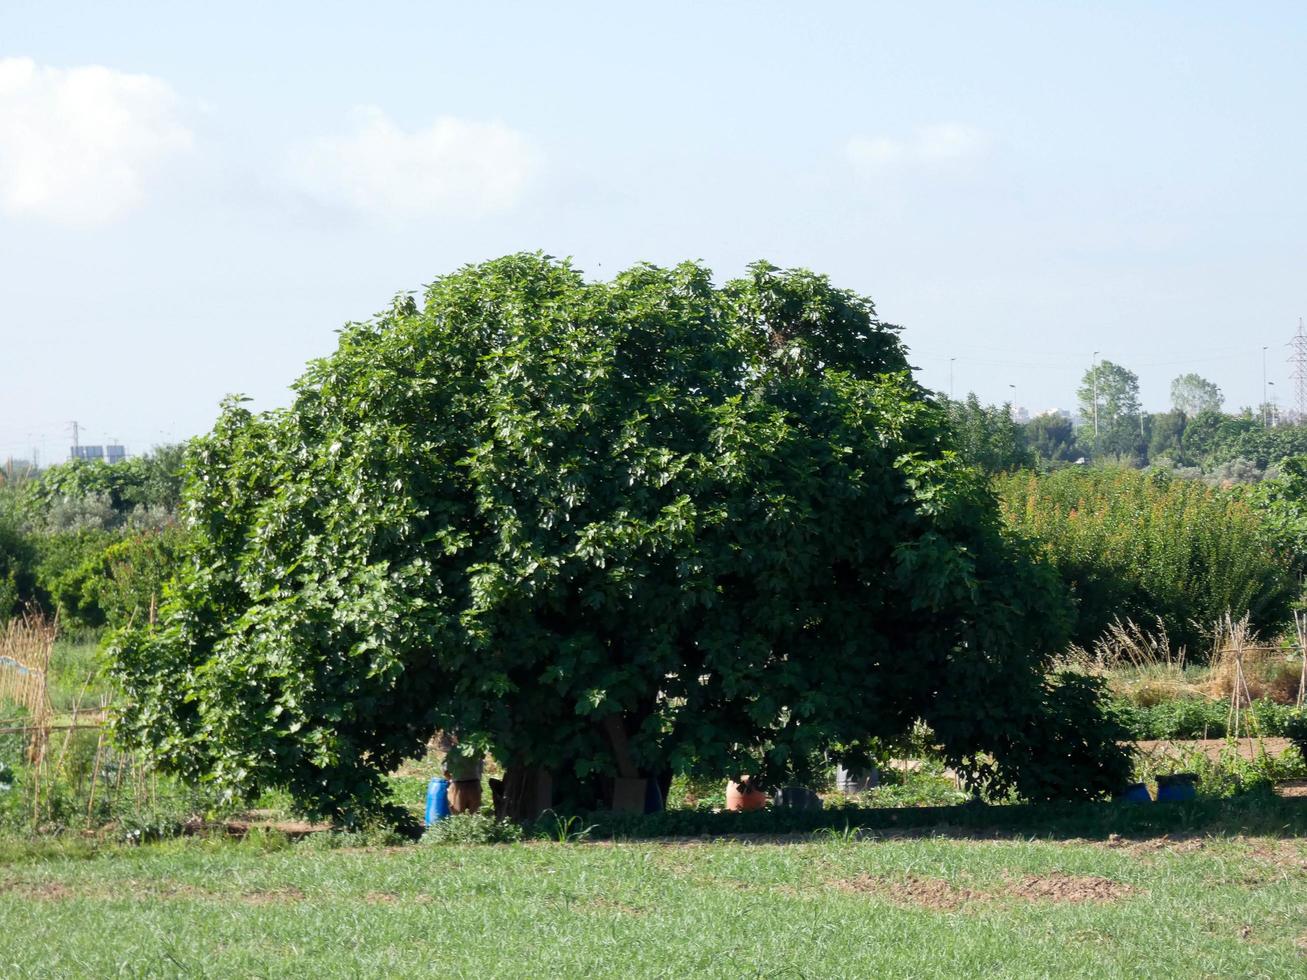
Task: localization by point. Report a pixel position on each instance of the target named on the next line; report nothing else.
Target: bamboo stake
(1300, 623)
(95, 773)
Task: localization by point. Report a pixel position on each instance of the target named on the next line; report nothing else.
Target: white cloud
(80, 145)
(452, 167)
(945, 146)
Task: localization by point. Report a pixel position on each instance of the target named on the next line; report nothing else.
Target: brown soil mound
(1068, 888)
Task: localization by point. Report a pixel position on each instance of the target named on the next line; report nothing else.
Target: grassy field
(1072, 889)
(824, 906)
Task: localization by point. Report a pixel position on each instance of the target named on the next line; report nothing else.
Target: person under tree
(462, 766)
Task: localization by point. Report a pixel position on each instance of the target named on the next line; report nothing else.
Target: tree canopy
(1110, 411)
(706, 529)
(1052, 438)
(1191, 393)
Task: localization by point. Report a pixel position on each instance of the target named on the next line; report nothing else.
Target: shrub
(472, 828)
(1061, 742)
(95, 578)
(1134, 546)
(369, 833)
(1295, 730)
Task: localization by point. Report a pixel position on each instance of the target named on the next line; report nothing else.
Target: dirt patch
(930, 893)
(273, 896)
(45, 891)
(1151, 845)
(53, 891)
(1288, 854)
(944, 896)
(1068, 888)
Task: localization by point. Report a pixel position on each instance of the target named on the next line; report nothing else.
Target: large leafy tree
(1192, 393)
(602, 528)
(1110, 413)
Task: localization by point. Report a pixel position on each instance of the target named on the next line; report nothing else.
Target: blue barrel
(437, 800)
(1136, 793)
(1177, 788)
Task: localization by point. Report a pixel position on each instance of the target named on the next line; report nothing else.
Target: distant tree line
(1195, 438)
(88, 541)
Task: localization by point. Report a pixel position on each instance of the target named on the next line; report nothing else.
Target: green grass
(817, 907)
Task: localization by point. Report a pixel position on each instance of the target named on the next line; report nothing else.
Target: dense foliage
(1051, 439)
(1135, 546)
(638, 526)
(17, 558)
(987, 436)
(89, 541)
(1282, 504)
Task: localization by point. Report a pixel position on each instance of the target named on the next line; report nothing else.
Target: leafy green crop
(1199, 717)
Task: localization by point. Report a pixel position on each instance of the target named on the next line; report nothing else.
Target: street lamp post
(1095, 374)
(1264, 419)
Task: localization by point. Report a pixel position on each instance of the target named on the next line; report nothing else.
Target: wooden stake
(95, 774)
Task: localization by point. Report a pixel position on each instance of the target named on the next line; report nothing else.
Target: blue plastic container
(1177, 788)
(437, 800)
(1137, 793)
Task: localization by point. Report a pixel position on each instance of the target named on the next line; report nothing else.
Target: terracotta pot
(741, 797)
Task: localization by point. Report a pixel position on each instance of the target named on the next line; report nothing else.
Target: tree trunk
(523, 794)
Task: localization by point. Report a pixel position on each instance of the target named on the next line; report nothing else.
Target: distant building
(110, 454)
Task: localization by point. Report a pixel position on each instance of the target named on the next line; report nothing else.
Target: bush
(472, 828)
(1295, 730)
(1134, 546)
(371, 833)
(95, 578)
(1061, 742)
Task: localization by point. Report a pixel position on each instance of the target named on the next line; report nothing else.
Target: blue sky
(194, 197)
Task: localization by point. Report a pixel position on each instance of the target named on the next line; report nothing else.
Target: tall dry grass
(1146, 667)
